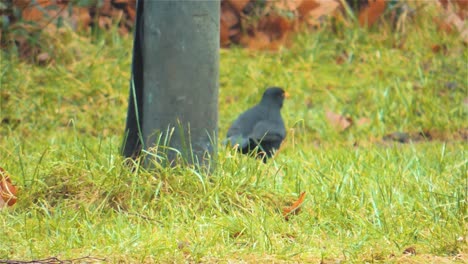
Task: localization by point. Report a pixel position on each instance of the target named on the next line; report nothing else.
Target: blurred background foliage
(26, 26)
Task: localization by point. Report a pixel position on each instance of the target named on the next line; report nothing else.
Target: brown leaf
(436, 48)
(229, 15)
(325, 8)
(286, 5)
(238, 5)
(339, 121)
(7, 190)
(130, 8)
(229, 24)
(105, 8)
(410, 251)
(224, 39)
(276, 27)
(32, 10)
(295, 207)
(306, 6)
(104, 22)
(43, 58)
(81, 18)
(269, 34)
(258, 41)
(369, 15)
(459, 7)
(453, 18)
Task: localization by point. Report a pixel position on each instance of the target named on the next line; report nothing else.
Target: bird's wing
(242, 127)
(268, 131)
(238, 140)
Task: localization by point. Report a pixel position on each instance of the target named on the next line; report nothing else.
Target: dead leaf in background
(104, 22)
(287, 5)
(325, 8)
(131, 10)
(270, 33)
(439, 48)
(43, 58)
(462, 5)
(229, 23)
(338, 121)
(453, 17)
(238, 5)
(295, 207)
(224, 34)
(32, 10)
(305, 7)
(7, 190)
(275, 26)
(371, 13)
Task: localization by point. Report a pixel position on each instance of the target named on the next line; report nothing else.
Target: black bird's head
(274, 96)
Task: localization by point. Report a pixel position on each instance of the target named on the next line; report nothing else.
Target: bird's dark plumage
(261, 125)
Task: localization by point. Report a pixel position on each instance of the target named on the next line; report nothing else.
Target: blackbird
(260, 126)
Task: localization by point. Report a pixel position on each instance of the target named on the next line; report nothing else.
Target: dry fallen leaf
(410, 251)
(436, 48)
(306, 6)
(7, 190)
(325, 8)
(363, 121)
(43, 58)
(287, 5)
(371, 13)
(453, 18)
(339, 121)
(229, 23)
(270, 33)
(238, 5)
(276, 27)
(295, 207)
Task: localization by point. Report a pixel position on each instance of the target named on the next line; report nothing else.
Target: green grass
(367, 199)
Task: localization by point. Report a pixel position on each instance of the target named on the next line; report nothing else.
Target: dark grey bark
(133, 138)
(177, 105)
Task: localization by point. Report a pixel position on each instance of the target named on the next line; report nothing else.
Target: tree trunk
(180, 65)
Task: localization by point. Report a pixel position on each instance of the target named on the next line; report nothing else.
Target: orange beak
(286, 95)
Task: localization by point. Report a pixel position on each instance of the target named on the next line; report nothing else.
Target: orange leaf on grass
(295, 207)
(339, 121)
(7, 190)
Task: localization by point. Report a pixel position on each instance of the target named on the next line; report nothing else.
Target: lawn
(369, 197)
